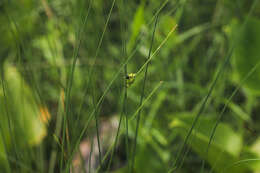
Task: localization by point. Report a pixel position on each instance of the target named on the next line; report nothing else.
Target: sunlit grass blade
(135, 115)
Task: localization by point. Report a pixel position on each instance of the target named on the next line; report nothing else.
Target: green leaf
(225, 147)
(20, 125)
(23, 111)
(246, 53)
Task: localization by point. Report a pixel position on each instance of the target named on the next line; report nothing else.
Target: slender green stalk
(124, 110)
(142, 94)
(69, 86)
(97, 51)
(97, 127)
(135, 115)
(110, 150)
(95, 57)
(124, 30)
(117, 137)
(57, 134)
(93, 87)
(90, 80)
(158, 48)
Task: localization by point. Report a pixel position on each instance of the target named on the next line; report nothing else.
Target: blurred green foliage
(246, 53)
(42, 42)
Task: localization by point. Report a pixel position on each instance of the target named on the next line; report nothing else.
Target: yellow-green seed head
(130, 78)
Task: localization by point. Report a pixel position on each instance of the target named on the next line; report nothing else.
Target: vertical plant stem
(124, 104)
(69, 85)
(89, 80)
(96, 54)
(142, 96)
(97, 126)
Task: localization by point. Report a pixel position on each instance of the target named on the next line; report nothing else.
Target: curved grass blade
(178, 160)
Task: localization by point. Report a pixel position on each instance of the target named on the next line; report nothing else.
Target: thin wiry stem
(124, 110)
(90, 80)
(95, 57)
(91, 71)
(158, 48)
(97, 127)
(136, 114)
(142, 95)
(69, 85)
(117, 137)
